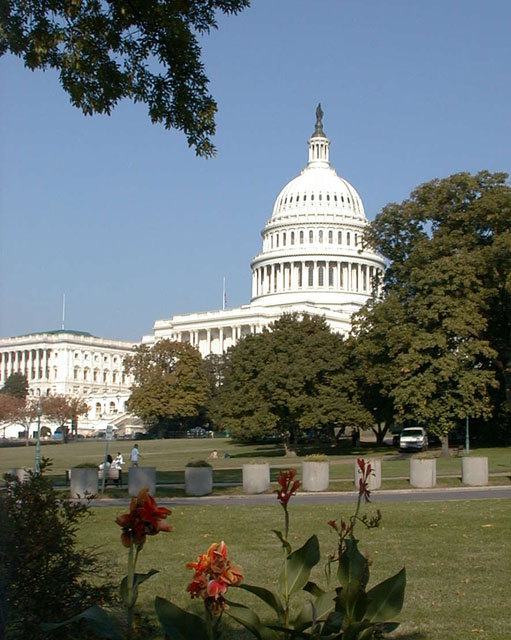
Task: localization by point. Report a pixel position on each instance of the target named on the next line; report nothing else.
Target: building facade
(312, 260)
(72, 363)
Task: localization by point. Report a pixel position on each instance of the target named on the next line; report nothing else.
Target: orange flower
(145, 518)
(286, 488)
(214, 573)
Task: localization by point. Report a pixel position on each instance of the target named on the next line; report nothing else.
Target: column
(221, 339)
(208, 338)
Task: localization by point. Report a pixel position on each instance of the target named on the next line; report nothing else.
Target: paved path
(329, 497)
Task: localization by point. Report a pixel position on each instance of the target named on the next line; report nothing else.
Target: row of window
(97, 376)
(97, 357)
(278, 239)
(337, 201)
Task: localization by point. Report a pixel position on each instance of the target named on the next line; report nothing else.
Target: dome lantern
(319, 144)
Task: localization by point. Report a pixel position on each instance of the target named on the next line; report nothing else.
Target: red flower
(287, 486)
(214, 573)
(366, 470)
(145, 518)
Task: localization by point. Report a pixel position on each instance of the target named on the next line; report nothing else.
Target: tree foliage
(106, 51)
(444, 329)
(16, 385)
(169, 381)
(43, 576)
(290, 378)
(64, 410)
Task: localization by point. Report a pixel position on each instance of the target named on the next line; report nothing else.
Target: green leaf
(100, 621)
(285, 543)
(179, 624)
(359, 631)
(138, 579)
(353, 576)
(250, 620)
(313, 589)
(385, 600)
(299, 565)
(266, 595)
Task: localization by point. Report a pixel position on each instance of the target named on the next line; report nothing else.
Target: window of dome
(277, 239)
(271, 238)
(311, 275)
(298, 198)
(348, 201)
(320, 238)
(328, 197)
(331, 276)
(356, 239)
(292, 237)
(290, 199)
(335, 197)
(321, 281)
(304, 197)
(339, 237)
(300, 281)
(330, 237)
(301, 237)
(342, 198)
(348, 238)
(284, 239)
(320, 197)
(311, 236)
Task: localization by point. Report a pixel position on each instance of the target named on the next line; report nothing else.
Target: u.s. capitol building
(312, 260)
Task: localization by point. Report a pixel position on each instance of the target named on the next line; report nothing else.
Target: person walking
(134, 456)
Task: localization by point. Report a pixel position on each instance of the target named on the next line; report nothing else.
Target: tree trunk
(445, 445)
(380, 432)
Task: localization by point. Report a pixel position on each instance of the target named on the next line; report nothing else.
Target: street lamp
(467, 441)
(38, 441)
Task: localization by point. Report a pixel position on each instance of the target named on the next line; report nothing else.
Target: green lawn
(170, 457)
(456, 555)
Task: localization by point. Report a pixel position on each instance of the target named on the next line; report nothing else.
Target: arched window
(331, 275)
(111, 407)
(321, 274)
(320, 235)
(330, 237)
(339, 237)
(348, 238)
(284, 239)
(311, 236)
(301, 237)
(98, 409)
(311, 275)
(300, 280)
(277, 239)
(292, 237)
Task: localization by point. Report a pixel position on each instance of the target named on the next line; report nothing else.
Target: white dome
(318, 191)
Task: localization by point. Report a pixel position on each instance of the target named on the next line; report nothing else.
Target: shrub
(42, 574)
(198, 463)
(316, 457)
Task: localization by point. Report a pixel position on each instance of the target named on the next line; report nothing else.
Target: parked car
(197, 432)
(413, 439)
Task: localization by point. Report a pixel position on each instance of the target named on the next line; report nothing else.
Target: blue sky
(122, 217)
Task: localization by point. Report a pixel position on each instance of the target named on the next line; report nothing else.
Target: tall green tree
(169, 382)
(289, 378)
(450, 250)
(16, 385)
(106, 51)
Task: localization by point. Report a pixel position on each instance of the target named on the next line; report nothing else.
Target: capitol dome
(312, 244)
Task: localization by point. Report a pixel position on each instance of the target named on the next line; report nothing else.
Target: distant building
(312, 261)
(72, 363)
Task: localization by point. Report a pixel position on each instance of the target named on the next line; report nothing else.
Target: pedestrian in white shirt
(134, 456)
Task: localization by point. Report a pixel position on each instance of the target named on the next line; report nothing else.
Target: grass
(456, 556)
(171, 456)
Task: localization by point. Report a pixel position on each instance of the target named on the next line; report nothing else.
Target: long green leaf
(179, 624)
(138, 579)
(313, 589)
(299, 565)
(100, 621)
(385, 600)
(284, 542)
(250, 620)
(266, 595)
(315, 611)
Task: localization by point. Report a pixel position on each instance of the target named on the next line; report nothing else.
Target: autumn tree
(9, 408)
(105, 51)
(64, 410)
(16, 385)
(447, 337)
(290, 378)
(170, 383)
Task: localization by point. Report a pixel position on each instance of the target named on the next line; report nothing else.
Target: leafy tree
(16, 385)
(287, 379)
(169, 382)
(450, 274)
(106, 51)
(9, 407)
(43, 576)
(63, 410)
(24, 413)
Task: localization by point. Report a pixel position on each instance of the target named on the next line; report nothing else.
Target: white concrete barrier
(83, 482)
(315, 475)
(474, 471)
(256, 478)
(140, 477)
(423, 472)
(198, 481)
